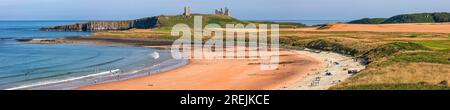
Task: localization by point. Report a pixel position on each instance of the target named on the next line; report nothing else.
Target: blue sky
(242, 9)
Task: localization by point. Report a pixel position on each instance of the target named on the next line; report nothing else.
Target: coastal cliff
(162, 22)
(143, 23)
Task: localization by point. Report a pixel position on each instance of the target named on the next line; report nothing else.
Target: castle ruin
(187, 11)
(222, 11)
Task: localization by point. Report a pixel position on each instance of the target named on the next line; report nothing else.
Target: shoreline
(219, 74)
(102, 77)
(102, 41)
(112, 75)
(237, 75)
(299, 78)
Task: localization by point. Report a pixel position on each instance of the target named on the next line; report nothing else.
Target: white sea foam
(155, 55)
(62, 81)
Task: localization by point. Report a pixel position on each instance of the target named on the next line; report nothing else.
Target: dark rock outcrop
(143, 23)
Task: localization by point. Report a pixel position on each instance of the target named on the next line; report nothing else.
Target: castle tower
(227, 12)
(187, 11)
(222, 11)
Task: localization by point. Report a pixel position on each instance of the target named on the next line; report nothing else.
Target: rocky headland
(143, 23)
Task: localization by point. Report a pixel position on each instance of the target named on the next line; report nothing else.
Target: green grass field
(436, 44)
(396, 87)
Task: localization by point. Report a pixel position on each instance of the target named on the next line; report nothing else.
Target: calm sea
(23, 64)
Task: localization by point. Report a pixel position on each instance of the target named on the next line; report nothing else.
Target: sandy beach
(235, 75)
(221, 75)
(334, 63)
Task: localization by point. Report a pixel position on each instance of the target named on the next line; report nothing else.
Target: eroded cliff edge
(143, 23)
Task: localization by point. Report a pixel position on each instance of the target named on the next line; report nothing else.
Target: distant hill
(368, 21)
(162, 22)
(407, 18)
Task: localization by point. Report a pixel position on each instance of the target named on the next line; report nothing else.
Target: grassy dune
(397, 87)
(398, 61)
(436, 44)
